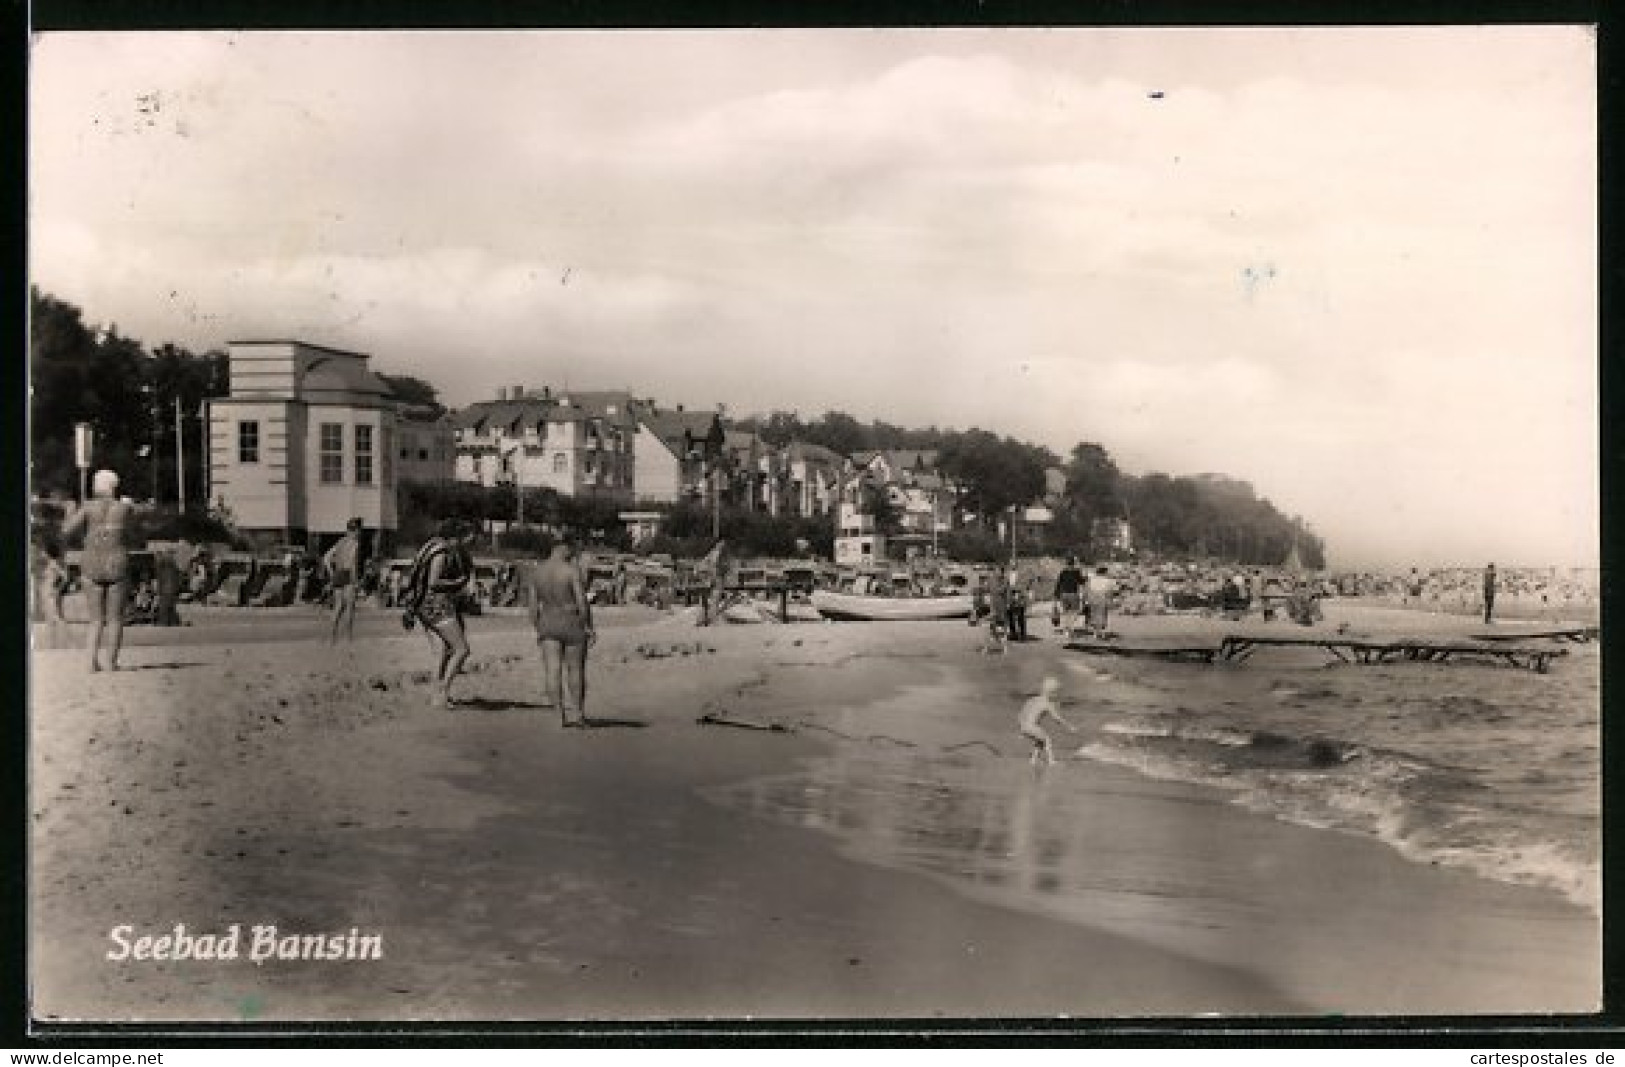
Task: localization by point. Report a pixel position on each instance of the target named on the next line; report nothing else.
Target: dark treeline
(83, 373)
(1172, 517)
(128, 394)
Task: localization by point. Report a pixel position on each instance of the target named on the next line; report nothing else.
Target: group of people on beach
(443, 573)
(436, 597)
(1082, 600)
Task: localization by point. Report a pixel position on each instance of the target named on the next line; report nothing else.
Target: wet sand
(653, 868)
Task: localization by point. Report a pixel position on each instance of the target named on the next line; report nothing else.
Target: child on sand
(1033, 713)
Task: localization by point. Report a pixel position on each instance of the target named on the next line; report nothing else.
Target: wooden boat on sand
(860, 607)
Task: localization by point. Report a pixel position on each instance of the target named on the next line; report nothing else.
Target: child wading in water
(1034, 712)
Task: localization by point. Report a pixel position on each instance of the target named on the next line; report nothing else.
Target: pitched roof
(615, 406)
(503, 413)
(806, 450)
(343, 375)
(533, 410)
(670, 425)
(910, 459)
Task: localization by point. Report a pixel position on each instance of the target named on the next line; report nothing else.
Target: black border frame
(1605, 1029)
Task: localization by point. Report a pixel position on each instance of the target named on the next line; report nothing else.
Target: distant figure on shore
(713, 596)
(1489, 594)
(168, 579)
(51, 586)
(104, 564)
(343, 572)
(562, 617)
(998, 602)
(447, 570)
(1413, 588)
(1069, 595)
(1033, 713)
(1101, 588)
(1016, 606)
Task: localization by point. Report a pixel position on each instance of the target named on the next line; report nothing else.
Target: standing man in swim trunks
(342, 563)
(1489, 593)
(1069, 595)
(104, 563)
(559, 611)
(1033, 713)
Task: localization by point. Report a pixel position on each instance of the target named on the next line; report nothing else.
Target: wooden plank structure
(1237, 648)
(1184, 652)
(1578, 635)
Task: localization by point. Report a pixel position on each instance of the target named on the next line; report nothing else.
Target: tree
(1093, 484)
(777, 429)
(414, 392)
(877, 503)
(998, 473)
(838, 432)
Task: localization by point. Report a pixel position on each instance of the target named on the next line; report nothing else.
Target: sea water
(1493, 769)
(1487, 768)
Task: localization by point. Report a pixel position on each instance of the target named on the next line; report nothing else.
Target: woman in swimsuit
(563, 620)
(450, 571)
(104, 564)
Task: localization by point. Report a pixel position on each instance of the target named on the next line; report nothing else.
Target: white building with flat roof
(304, 442)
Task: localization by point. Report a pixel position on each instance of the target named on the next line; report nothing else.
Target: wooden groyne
(1350, 649)
(1238, 648)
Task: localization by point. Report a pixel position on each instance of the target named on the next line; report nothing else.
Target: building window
(248, 442)
(332, 452)
(561, 463)
(363, 455)
(423, 454)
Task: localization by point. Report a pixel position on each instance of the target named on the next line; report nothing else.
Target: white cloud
(1372, 248)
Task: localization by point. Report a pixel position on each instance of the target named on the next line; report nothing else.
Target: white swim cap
(104, 483)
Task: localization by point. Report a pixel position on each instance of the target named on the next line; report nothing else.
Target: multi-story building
(427, 447)
(304, 442)
(1112, 535)
(814, 479)
(579, 444)
(857, 540)
(923, 498)
(673, 452)
(749, 464)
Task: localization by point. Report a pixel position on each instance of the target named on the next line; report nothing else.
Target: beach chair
(266, 590)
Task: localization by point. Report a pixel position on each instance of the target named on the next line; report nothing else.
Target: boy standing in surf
(1033, 713)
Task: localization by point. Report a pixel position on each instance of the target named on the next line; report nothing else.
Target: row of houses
(310, 436)
(616, 446)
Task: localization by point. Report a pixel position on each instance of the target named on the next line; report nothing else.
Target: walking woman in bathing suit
(104, 564)
(451, 569)
(563, 621)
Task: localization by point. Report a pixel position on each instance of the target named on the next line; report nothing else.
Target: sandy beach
(887, 853)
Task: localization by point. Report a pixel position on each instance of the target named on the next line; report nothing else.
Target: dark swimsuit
(438, 605)
(104, 559)
(561, 622)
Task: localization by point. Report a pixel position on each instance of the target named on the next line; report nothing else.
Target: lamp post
(150, 391)
(716, 501)
(518, 483)
(83, 438)
(180, 459)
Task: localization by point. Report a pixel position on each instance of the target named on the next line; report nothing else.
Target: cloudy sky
(1356, 267)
